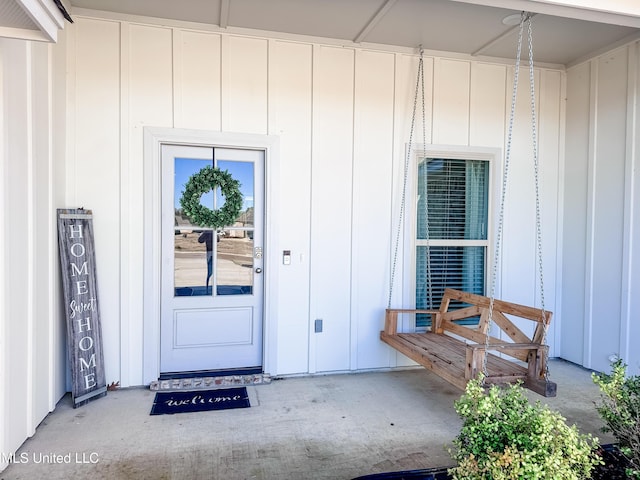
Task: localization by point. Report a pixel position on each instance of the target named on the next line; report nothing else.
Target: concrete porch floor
(319, 427)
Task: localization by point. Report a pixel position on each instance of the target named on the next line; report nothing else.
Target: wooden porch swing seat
(456, 352)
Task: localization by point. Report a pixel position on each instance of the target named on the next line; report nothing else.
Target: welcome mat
(200, 401)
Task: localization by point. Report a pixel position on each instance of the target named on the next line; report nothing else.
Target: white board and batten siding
(94, 170)
(197, 70)
(372, 203)
(32, 336)
(331, 206)
(290, 93)
(601, 272)
(342, 115)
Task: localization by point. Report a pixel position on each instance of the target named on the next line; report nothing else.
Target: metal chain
(429, 285)
(525, 17)
(545, 326)
(505, 176)
(419, 80)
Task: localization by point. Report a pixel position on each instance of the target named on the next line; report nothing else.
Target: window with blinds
(451, 229)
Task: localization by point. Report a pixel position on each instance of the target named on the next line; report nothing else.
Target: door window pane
(193, 245)
(206, 261)
(235, 254)
(234, 264)
(244, 173)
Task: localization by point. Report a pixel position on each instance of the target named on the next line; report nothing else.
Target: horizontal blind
(458, 267)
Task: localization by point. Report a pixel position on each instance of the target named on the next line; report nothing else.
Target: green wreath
(200, 183)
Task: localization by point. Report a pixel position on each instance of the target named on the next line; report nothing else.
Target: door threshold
(208, 380)
(211, 373)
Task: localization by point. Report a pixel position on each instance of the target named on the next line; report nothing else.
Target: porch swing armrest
(391, 317)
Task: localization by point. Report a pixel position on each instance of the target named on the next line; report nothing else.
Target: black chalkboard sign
(84, 331)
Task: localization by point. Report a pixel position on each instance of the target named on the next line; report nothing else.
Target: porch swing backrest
(456, 352)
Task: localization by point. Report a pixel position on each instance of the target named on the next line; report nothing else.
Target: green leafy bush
(505, 437)
(619, 408)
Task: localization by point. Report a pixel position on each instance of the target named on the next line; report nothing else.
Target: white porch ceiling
(564, 31)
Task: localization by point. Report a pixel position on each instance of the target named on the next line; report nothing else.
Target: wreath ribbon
(200, 183)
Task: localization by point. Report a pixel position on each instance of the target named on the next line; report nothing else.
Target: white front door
(212, 281)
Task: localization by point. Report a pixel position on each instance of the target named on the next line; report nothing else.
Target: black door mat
(200, 401)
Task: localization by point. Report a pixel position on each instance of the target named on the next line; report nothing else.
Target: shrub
(619, 408)
(505, 437)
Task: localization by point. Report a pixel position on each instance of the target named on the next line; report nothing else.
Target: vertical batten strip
(224, 83)
(58, 58)
(30, 244)
(51, 244)
(70, 191)
(353, 234)
(590, 231)
(125, 344)
(177, 69)
(3, 270)
(269, 331)
(629, 195)
(313, 337)
(221, 101)
(634, 328)
(269, 123)
(557, 337)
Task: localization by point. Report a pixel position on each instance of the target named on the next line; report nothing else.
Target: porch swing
(459, 351)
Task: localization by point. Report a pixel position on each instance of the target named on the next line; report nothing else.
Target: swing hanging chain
(406, 175)
(536, 167)
(429, 282)
(496, 257)
(525, 17)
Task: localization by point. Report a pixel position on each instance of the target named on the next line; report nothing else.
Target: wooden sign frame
(84, 329)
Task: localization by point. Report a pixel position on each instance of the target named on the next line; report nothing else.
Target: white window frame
(491, 155)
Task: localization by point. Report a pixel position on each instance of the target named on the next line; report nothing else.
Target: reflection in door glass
(234, 265)
(193, 245)
(243, 172)
(235, 253)
(193, 262)
(209, 262)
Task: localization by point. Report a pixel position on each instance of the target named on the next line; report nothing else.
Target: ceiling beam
(374, 21)
(45, 15)
(578, 9)
(224, 13)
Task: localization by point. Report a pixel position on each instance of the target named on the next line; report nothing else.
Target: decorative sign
(84, 332)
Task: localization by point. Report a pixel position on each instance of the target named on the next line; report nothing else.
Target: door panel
(224, 326)
(212, 282)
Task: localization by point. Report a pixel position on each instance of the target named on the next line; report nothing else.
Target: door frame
(154, 138)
